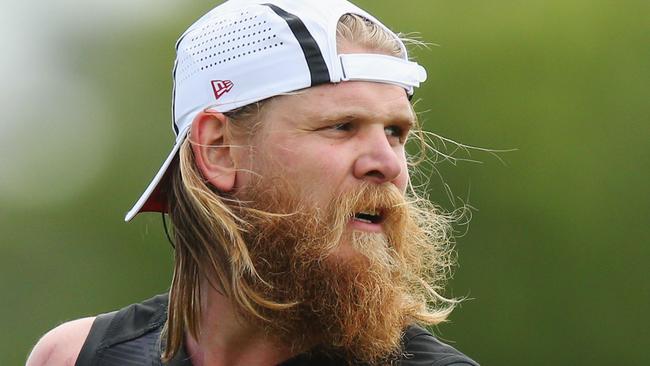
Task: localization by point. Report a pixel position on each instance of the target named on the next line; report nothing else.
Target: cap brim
(153, 199)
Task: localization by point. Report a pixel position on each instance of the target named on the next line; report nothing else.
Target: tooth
(372, 213)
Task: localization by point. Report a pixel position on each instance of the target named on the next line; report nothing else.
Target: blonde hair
(208, 234)
(361, 32)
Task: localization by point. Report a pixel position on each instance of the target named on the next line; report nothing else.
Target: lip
(364, 226)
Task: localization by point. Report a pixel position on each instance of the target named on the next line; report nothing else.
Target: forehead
(363, 100)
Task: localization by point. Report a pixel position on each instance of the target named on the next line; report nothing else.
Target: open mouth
(369, 217)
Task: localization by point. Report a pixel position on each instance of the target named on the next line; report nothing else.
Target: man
(295, 241)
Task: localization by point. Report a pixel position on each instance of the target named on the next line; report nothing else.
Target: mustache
(385, 201)
(383, 198)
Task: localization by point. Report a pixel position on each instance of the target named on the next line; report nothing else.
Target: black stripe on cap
(178, 42)
(174, 98)
(313, 55)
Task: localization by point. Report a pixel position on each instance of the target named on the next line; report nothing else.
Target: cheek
(402, 181)
(320, 167)
(317, 161)
(336, 163)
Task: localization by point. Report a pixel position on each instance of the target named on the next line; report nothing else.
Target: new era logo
(221, 87)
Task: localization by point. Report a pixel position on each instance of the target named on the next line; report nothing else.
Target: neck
(226, 339)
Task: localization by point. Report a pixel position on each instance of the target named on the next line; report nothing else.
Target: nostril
(376, 174)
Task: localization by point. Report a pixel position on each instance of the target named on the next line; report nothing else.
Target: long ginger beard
(353, 291)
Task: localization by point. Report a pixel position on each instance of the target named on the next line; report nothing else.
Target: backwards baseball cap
(244, 51)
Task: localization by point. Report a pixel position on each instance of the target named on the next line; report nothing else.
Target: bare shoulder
(61, 345)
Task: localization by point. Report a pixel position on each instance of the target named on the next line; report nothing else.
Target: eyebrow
(401, 118)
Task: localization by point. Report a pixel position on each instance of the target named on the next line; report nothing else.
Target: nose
(378, 161)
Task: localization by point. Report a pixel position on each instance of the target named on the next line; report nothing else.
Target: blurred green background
(553, 258)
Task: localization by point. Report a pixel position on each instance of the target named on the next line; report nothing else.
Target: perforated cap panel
(223, 41)
(230, 48)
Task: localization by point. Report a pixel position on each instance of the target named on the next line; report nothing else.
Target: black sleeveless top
(131, 337)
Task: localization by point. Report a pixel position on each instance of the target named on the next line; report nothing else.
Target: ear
(212, 151)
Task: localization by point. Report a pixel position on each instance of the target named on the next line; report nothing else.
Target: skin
(329, 138)
(61, 345)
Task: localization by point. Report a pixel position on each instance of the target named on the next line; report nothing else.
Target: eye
(343, 126)
(396, 133)
(337, 128)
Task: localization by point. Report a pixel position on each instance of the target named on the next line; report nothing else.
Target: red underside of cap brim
(157, 202)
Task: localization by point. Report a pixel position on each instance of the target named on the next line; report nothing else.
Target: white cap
(244, 51)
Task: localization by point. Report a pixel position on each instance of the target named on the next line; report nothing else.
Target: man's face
(331, 161)
(329, 140)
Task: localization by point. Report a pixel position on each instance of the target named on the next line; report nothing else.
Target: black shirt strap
(94, 340)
